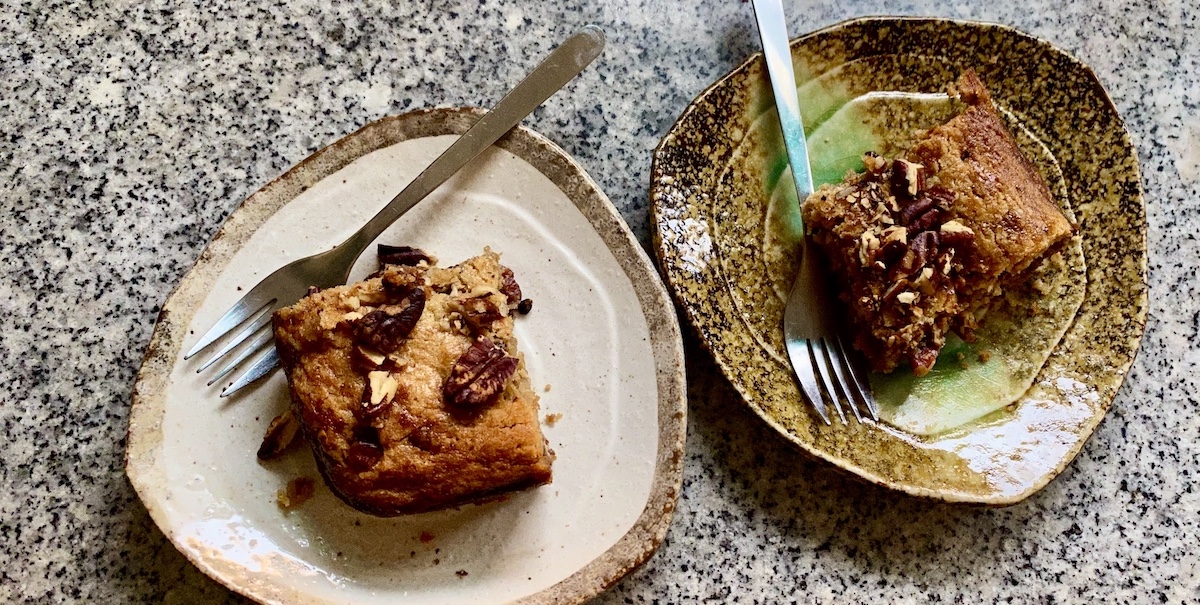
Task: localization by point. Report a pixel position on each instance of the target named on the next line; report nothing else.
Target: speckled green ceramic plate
(715, 201)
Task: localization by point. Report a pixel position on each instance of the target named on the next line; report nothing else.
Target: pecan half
(402, 255)
(479, 375)
(385, 328)
(280, 435)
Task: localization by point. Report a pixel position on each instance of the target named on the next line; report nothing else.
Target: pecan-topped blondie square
(922, 245)
(409, 386)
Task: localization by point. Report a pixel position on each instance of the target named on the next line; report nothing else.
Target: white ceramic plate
(602, 335)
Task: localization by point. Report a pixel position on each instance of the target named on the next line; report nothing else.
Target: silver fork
(826, 371)
(332, 268)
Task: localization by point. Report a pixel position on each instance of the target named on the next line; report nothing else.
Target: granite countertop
(128, 131)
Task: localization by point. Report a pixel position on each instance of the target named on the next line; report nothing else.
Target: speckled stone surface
(129, 130)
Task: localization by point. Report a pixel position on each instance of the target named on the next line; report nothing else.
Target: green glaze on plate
(973, 380)
(726, 233)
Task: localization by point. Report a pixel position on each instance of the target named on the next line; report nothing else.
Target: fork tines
(831, 377)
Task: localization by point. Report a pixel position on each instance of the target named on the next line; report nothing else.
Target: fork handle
(778, 55)
(570, 58)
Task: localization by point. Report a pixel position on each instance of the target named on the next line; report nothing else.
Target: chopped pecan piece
(280, 434)
(480, 311)
(479, 375)
(942, 196)
(368, 358)
(298, 491)
(510, 287)
(402, 255)
(922, 360)
(925, 247)
(956, 235)
(916, 208)
(379, 392)
(927, 221)
(908, 179)
(874, 162)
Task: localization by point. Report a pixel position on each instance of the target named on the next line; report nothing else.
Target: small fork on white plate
(291, 282)
(827, 371)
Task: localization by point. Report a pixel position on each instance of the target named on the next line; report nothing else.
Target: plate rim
(144, 431)
(695, 320)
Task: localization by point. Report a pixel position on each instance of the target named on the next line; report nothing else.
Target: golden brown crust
(420, 453)
(999, 193)
(989, 198)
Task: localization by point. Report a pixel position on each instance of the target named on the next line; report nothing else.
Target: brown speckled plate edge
(683, 249)
(635, 546)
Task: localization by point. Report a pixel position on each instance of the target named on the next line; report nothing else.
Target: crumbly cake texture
(923, 244)
(410, 389)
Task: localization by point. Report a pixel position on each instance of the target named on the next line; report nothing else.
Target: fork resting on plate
(291, 282)
(827, 371)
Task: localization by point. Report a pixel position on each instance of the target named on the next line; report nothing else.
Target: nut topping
(874, 162)
(402, 255)
(916, 208)
(924, 281)
(956, 234)
(922, 360)
(280, 434)
(955, 227)
(510, 287)
(371, 357)
(381, 387)
(380, 391)
(924, 246)
(480, 311)
(868, 245)
(385, 329)
(947, 258)
(479, 375)
(895, 234)
(890, 253)
(907, 178)
(895, 245)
